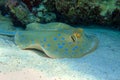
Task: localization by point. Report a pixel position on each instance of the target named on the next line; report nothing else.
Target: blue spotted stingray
(56, 40)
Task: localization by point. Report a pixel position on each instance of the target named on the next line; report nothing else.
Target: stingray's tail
(7, 33)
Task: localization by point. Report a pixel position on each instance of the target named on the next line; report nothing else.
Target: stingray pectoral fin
(93, 45)
(28, 40)
(86, 45)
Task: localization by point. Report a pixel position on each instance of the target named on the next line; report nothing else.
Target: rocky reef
(86, 12)
(44, 12)
(106, 12)
(28, 11)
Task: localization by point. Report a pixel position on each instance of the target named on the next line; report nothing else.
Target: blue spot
(60, 46)
(48, 45)
(66, 49)
(63, 43)
(44, 39)
(73, 49)
(76, 47)
(59, 34)
(55, 38)
(63, 38)
(70, 43)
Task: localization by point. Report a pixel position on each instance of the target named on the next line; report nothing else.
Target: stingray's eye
(73, 37)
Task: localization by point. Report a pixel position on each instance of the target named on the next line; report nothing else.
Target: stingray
(56, 40)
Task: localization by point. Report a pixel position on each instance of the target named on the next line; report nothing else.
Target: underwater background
(94, 24)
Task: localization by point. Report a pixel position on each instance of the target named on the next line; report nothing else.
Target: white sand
(102, 64)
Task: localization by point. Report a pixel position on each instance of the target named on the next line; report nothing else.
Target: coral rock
(88, 11)
(20, 11)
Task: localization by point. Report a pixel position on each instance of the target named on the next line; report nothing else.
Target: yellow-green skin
(56, 40)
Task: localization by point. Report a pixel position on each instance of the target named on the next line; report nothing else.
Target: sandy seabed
(102, 64)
